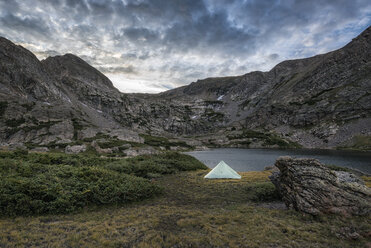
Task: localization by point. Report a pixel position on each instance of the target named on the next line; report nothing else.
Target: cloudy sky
(155, 45)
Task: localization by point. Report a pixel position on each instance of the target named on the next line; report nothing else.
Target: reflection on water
(257, 159)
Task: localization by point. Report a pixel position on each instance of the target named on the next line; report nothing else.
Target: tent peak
(223, 170)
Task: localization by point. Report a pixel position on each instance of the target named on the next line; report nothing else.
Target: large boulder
(308, 186)
(75, 149)
(40, 149)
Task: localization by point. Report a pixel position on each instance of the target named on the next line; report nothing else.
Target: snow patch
(68, 99)
(220, 97)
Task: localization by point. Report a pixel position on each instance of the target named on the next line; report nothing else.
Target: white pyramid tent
(222, 170)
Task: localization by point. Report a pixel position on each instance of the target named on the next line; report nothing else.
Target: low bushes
(27, 188)
(149, 166)
(32, 183)
(56, 158)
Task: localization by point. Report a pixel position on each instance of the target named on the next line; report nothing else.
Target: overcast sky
(155, 45)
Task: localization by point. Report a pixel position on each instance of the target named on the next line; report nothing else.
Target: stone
(126, 135)
(95, 145)
(75, 149)
(132, 152)
(125, 146)
(40, 149)
(308, 186)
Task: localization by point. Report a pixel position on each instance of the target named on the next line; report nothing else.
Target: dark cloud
(175, 42)
(211, 33)
(140, 35)
(273, 56)
(119, 69)
(28, 24)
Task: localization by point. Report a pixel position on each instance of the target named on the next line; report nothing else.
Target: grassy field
(190, 212)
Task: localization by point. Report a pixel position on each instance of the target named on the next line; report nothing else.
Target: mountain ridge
(318, 102)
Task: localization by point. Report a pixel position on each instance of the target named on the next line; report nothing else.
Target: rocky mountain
(322, 102)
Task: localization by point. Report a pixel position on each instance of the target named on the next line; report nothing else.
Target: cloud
(123, 69)
(28, 25)
(161, 44)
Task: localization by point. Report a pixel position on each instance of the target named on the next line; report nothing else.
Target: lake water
(257, 159)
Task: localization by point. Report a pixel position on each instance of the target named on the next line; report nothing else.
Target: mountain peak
(72, 66)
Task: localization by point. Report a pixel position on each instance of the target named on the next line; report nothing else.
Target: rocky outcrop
(308, 186)
(132, 152)
(40, 149)
(75, 149)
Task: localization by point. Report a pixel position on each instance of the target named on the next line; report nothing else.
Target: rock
(126, 135)
(63, 141)
(125, 146)
(308, 186)
(175, 148)
(202, 148)
(95, 145)
(75, 149)
(40, 149)
(16, 146)
(346, 177)
(132, 152)
(87, 133)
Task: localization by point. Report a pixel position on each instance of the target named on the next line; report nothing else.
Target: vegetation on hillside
(268, 139)
(359, 142)
(158, 141)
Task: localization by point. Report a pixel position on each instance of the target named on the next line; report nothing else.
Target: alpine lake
(244, 160)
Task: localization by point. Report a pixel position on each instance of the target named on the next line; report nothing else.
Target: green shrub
(34, 183)
(112, 143)
(19, 152)
(66, 159)
(166, 163)
(264, 191)
(37, 189)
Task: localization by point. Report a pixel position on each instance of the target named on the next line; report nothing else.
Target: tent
(222, 170)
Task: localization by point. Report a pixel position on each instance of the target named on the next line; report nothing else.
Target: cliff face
(322, 101)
